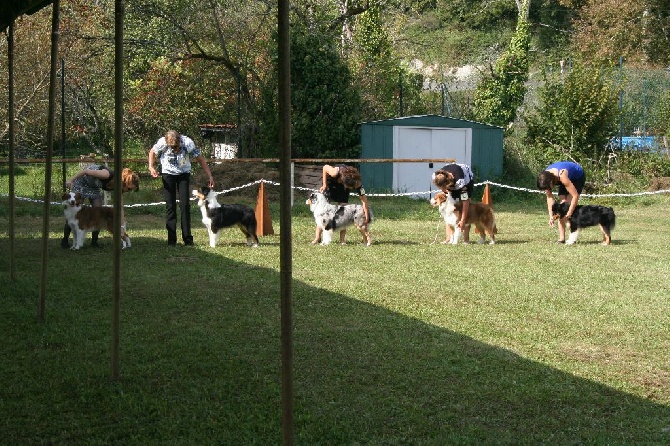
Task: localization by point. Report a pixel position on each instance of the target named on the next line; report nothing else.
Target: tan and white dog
(479, 214)
(83, 219)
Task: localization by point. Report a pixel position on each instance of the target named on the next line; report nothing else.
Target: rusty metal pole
(285, 243)
(118, 193)
(48, 168)
(10, 115)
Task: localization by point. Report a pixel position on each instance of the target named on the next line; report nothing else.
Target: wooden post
(263, 217)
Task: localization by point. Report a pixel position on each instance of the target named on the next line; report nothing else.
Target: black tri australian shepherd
(585, 216)
(217, 216)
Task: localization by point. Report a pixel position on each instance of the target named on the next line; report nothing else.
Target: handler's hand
(551, 222)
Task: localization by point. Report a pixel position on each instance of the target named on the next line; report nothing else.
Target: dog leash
(437, 232)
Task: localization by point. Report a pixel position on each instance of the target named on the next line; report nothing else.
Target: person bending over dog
(90, 182)
(338, 182)
(457, 180)
(175, 152)
(570, 179)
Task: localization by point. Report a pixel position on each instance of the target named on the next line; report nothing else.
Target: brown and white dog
(479, 214)
(83, 219)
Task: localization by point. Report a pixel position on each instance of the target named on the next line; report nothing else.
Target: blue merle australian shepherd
(330, 217)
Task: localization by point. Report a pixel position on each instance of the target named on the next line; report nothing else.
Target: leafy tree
(576, 118)
(502, 90)
(325, 106)
(608, 29)
(31, 80)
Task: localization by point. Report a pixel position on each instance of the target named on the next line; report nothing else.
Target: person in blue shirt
(570, 179)
(175, 152)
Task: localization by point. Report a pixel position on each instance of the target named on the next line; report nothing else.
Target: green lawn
(404, 342)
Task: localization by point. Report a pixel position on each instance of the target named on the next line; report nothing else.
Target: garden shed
(427, 137)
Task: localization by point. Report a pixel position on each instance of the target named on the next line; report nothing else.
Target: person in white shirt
(175, 152)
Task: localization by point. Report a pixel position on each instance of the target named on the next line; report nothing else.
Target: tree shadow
(201, 359)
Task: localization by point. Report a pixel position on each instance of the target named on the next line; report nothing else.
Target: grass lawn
(404, 342)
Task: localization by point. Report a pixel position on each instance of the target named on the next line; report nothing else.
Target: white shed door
(426, 143)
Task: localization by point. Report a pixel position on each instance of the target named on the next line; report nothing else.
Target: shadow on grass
(200, 360)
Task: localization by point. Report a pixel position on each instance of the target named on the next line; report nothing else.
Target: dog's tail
(613, 218)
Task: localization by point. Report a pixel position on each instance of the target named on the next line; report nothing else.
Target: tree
(324, 105)
(31, 81)
(502, 89)
(576, 118)
(636, 30)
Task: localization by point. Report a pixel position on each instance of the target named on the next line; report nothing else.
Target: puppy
(479, 214)
(585, 216)
(216, 217)
(83, 219)
(330, 217)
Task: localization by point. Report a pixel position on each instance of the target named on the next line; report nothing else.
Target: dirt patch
(659, 183)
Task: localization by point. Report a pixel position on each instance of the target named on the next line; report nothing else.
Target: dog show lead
(175, 152)
(458, 181)
(570, 179)
(338, 182)
(90, 182)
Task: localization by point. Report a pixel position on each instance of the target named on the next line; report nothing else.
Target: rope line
(403, 194)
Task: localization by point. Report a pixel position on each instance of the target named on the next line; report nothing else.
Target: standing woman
(90, 182)
(175, 152)
(457, 180)
(338, 182)
(570, 179)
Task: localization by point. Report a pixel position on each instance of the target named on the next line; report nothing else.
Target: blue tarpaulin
(636, 143)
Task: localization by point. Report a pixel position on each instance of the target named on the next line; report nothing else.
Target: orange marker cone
(263, 218)
(486, 198)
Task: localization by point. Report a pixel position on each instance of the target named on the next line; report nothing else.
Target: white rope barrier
(404, 194)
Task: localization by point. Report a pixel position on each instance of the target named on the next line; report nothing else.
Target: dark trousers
(173, 185)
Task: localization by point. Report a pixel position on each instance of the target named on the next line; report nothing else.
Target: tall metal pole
(118, 159)
(48, 168)
(62, 117)
(402, 109)
(10, 115)
(285, 244)
(239, 116)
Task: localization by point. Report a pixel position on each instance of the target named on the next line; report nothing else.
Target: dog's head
(72, 199)
(315, 198)
(205, 194)
(559, 210)
(438, 199)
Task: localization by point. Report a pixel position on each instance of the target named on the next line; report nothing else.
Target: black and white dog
(330, 217)
(216, 216)
(585, 216)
